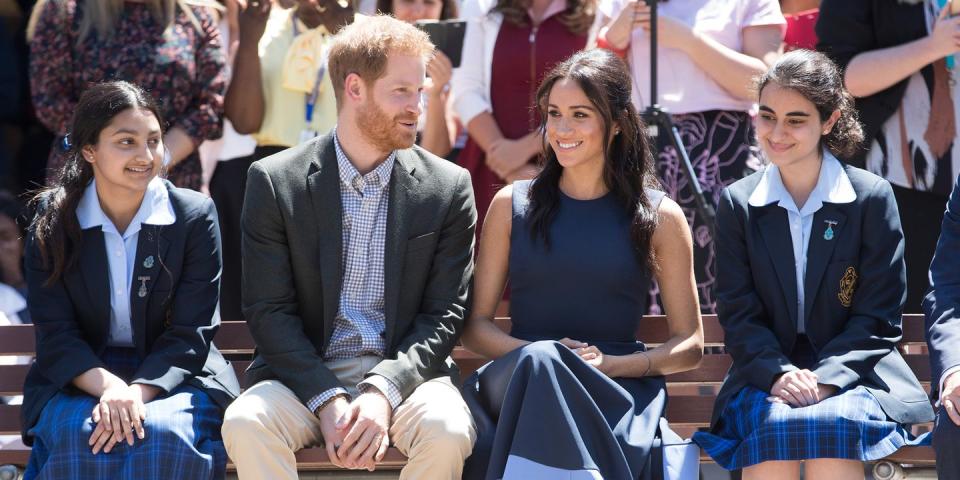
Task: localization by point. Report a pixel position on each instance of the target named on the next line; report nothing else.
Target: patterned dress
(182, 67)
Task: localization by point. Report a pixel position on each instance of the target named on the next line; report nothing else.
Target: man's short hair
(363, 47)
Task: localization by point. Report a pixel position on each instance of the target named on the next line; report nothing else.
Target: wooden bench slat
(9, 419)
(17, 340)
(234, 336)
(711, 370)
(689, 408)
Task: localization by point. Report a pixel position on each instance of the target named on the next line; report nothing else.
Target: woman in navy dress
(123, 271)
(810, 293)
(571, 392)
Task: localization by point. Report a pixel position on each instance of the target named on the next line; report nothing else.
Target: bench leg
(10, 472)
(887, 470)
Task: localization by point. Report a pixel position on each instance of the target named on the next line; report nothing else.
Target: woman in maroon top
(170, 48)
(511, 44)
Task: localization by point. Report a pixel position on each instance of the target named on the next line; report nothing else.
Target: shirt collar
(155, 209)
(379, 177)
(833, 186)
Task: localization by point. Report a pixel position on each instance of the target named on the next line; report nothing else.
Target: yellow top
(284, 116)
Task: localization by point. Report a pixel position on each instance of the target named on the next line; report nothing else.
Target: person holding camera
(709, 51)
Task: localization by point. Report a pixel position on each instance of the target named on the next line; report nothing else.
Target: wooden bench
(691, 393)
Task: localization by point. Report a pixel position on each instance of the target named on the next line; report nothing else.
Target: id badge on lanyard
(310, 99)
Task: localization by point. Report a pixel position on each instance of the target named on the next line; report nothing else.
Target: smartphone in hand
(447, 36)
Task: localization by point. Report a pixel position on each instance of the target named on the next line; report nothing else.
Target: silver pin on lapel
(142, 292)
(148, 262)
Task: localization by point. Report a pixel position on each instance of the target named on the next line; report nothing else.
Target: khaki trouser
(268, 423)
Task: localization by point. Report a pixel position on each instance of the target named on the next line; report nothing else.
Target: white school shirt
(155, 209)
(833, 186)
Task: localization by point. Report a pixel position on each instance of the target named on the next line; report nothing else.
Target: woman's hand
(253, 20)
(671, 33)
(945, 37)
(630, 17)
(119, 413)
(571, 343)
(595, 358)
(440, 70)
(798, 388)
(506, 156)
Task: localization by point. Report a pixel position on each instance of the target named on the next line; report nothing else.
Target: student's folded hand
(798, 388)
(118, 415)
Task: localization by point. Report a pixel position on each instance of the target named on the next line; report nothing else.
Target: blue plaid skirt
(851, 426)
(182, 436)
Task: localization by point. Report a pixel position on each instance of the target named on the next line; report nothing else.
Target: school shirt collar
(155, 209)
(833, 186)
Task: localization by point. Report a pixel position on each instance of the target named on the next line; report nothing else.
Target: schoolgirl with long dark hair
(123, 271)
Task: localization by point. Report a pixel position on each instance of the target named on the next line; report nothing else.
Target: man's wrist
(330, 401)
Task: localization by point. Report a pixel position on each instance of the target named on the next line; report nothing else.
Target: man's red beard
(385, 132)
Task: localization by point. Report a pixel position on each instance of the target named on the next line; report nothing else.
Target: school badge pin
(847, 285)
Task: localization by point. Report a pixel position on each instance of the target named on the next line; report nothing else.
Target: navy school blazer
(173, 326)
(942, 303)
(854, 292)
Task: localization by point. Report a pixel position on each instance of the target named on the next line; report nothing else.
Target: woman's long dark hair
(450, 10)
(628, 165)
(578, 17)
(55, 226)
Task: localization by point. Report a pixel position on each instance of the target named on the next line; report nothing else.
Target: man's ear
(354, 88)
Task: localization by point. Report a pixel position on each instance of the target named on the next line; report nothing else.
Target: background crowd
(237, 81)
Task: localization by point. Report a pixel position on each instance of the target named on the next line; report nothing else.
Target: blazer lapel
(152, 246)
(324, 187)
(96, 277)
(775, 230)
(820, 251)
(401, 209)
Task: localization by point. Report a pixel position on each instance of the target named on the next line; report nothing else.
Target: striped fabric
(182, 436)
(850, 426)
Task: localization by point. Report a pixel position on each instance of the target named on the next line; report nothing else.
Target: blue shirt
(833, 186)
(155, 209)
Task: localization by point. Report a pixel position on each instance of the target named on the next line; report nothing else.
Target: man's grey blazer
(292, 266)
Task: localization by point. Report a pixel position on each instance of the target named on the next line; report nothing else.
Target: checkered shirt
(360, 323)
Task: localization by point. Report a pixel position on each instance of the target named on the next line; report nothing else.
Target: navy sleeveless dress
(541, 411)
